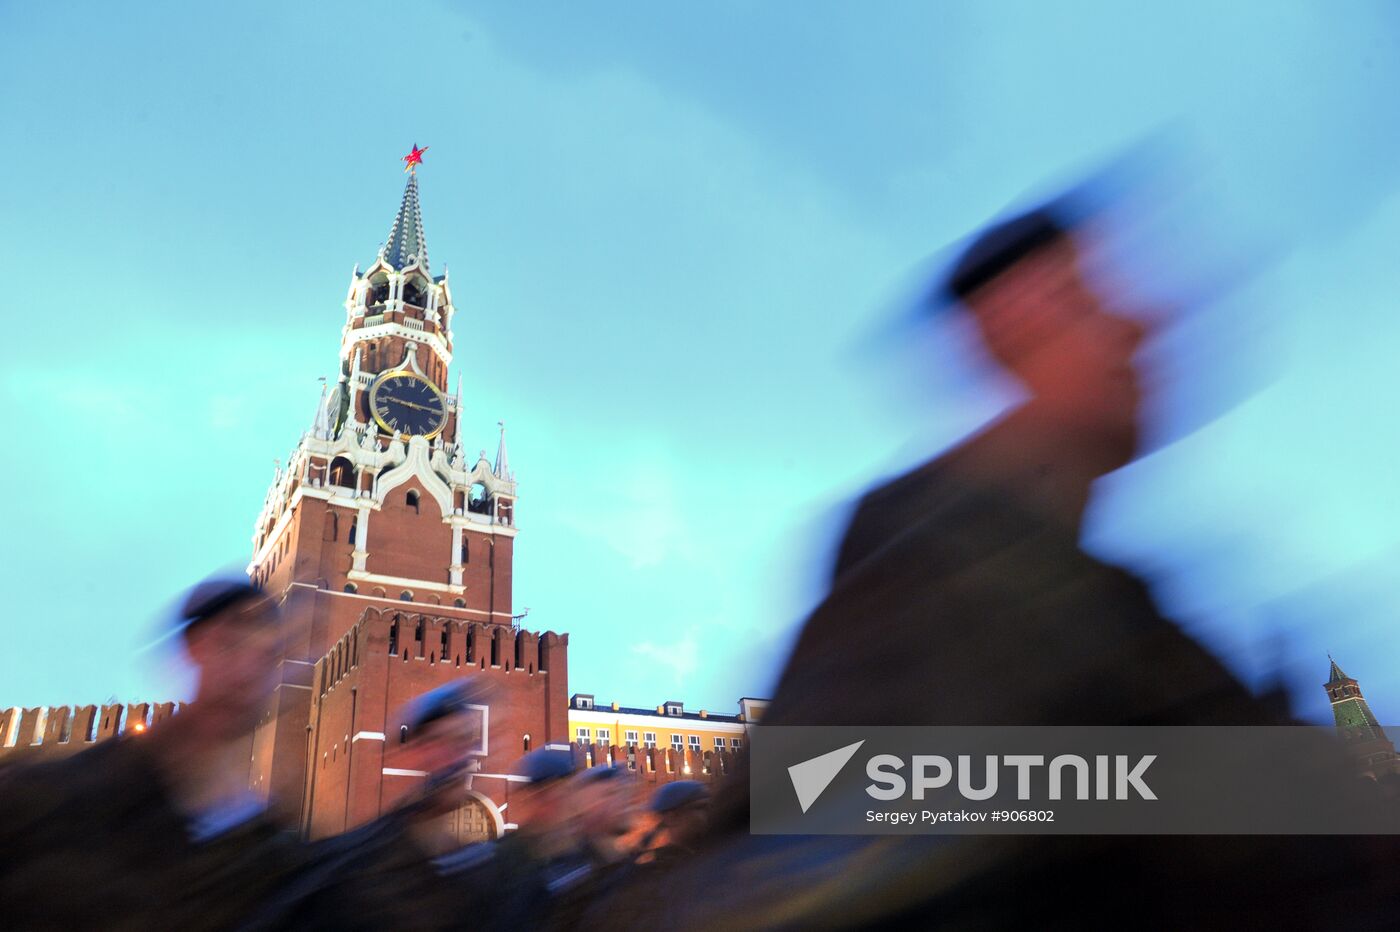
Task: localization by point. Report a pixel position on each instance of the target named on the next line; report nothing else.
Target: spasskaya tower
(391, 550)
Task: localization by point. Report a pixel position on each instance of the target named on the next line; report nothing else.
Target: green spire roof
(1336, 675)
(406, 243)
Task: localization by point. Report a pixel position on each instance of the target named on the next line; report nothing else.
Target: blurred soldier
(976, 606)
(604, 800)
(681, 809)
(157, 829)
(399, 871)
(981, 606)
(563, 856)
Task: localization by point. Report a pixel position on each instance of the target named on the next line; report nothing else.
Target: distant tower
(1364, 737)
(391, 551)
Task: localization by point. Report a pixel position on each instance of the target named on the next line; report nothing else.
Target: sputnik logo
(811, 777)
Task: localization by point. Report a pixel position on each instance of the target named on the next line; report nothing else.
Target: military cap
(442, 701)
(545, 764)
(673, 796)
(1004, 244)
(213, 596)
(599, 773)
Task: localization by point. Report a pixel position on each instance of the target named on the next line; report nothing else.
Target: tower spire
(406, 243)
(502, 467)
(321, 427)
(1335, 675)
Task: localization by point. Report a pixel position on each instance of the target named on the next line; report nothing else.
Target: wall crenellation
(68, 729)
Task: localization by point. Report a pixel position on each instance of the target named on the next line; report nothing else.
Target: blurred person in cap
(400, 870)
(973, 558)
(681, 809)
(676, 816)
(565, 852)
(604, 798)
(977, 606)
(158, 828)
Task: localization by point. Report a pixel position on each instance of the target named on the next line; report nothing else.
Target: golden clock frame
(383, 377)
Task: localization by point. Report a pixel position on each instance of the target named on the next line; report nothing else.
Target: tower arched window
(466, 550)
(477, 500)
(412, 499)
(406, 596)
(354, 528)
(342, 473)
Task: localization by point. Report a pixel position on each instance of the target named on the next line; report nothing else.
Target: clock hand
(409, 404)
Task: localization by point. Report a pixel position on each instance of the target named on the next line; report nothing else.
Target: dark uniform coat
(93, 841)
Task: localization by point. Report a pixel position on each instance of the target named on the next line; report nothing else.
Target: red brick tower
(1373, 753)
(392, 551)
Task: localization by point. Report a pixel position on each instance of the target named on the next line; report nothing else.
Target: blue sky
(672, 231)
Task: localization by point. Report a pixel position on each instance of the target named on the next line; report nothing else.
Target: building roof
(1336, 675)
(577, 704)
(708, 717)
(406, 243)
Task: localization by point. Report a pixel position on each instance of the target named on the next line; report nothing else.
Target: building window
(354, 528)
(526, 743)
(673, 709)
(405, 596)
(582, 735)
(459, 603)
(738, 743)
(466, 550)
(649, 739)
(676, 743)
(478, 501)
(719, 744)
(342, 472)
(412, 500)
(605, 736)
(394, 637)
(694, 742)
(631, 739)
(583, 702)
(351, 587)
(403, 734)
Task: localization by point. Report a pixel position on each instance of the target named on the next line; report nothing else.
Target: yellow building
(667, 739)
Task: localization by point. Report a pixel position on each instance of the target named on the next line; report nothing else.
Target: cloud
(681, 657)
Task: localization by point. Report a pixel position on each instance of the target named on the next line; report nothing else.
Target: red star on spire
(414, 158)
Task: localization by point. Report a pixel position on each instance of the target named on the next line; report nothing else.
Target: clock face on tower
(407, 405)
